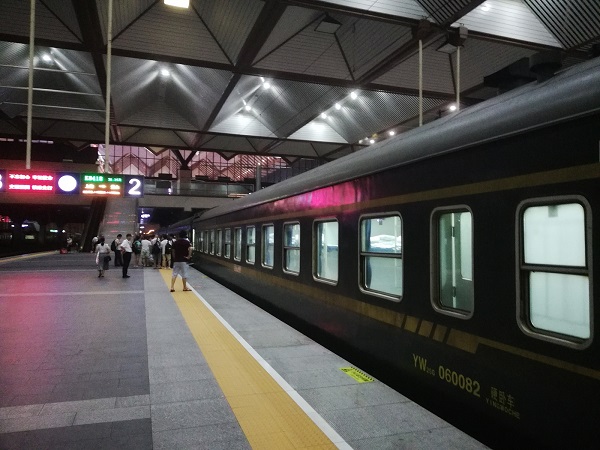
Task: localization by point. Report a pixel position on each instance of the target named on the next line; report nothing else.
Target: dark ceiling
(182, 78)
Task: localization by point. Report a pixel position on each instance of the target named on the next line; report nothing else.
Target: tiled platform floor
(110, 363)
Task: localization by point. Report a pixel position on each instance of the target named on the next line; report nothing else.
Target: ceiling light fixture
(456, 38)
(323, 115)
(46, 57)
(371, 141)
(485, 7)
(165, 73)
(248, 108)
(391, 132)
(452, 107)
(353, 95)
(267, 85)
(328, 25)
(178, 3)
(338, 106)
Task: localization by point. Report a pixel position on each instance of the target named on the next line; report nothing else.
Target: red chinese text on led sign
(26, 181)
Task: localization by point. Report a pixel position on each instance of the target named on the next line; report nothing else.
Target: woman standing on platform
(102, 256)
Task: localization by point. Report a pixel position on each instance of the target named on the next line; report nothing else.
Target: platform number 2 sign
(133, 186)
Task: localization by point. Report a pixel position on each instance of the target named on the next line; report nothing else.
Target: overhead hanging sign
(30, 181)
(101, 184)
(41, 182)
(133, 186)
(67, 183)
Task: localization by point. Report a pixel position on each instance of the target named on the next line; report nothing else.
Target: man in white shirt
(126, 251)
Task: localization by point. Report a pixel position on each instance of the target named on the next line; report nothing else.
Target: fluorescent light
(178, 3)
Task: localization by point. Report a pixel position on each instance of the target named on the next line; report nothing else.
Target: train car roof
(572, 93)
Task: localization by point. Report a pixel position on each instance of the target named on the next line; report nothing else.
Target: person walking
(102, 256)
(182, 254)
(126, 251)
(137, 250)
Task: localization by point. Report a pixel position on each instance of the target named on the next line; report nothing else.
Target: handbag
(108, 258)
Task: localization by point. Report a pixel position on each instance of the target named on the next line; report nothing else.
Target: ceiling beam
(266, 21)
(91, 31)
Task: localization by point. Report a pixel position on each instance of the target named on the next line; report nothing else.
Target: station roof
(268, 77)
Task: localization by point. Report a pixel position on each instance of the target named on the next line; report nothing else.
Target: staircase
(93, 222)
(120, 216)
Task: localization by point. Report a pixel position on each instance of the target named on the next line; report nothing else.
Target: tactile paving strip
(269, 417)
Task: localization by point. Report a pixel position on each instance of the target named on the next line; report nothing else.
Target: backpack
(113, 246)
(168, 247)
(156, 247)
(137, 246)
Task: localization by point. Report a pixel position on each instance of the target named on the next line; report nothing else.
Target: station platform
(122, 363)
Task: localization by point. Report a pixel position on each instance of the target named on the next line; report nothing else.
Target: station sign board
(67, 183)
(101, 184)
(29, 181)
(41, 182)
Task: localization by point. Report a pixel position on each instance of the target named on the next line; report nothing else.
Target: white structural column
(30, 88)
(108, 70)
(420, 82)
(458, 77)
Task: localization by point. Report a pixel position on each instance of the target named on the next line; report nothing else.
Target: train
(457, 260)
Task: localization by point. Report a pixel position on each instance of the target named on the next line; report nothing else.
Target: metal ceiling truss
(216, 53)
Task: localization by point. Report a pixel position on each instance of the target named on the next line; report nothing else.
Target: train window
(211, 242)
(201, 241)
(237, 244)
(452, 256)
(291, 247)
(268, 245)
(381, 255)
(227, 243)
(206, 243)
(218, 240)
(325, 241)
(554, 277)
(250, 244)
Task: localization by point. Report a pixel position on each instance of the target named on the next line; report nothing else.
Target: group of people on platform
(160, 252)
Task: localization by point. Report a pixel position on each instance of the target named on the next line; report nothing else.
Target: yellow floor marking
(26, 256)
(269, 417)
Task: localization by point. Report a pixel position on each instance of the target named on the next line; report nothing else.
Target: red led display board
(30, 181)
(40, 182)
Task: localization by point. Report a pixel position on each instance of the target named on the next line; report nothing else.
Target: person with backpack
(156, 251)
(114, 246)
(166, 245)
(137, 250)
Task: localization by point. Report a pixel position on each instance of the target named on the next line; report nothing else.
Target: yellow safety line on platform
(269, 417)
(26, 256)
